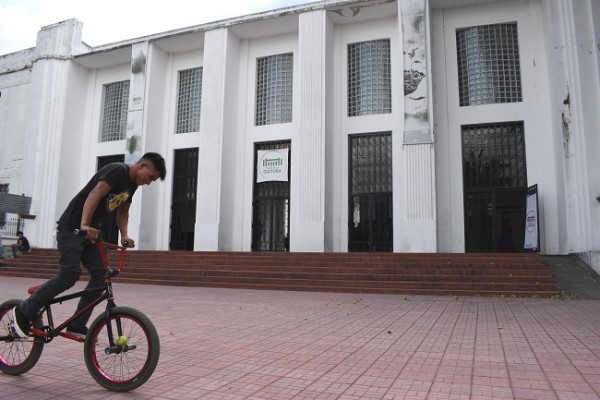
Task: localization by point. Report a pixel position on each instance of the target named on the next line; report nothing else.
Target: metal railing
(9, 225)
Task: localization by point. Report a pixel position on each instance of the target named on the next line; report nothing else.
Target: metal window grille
(369, 78)
(114, 114)
(183, 207)
(488, 64)
(271, 208)
(370, 225)
(494, 156)
(189, 101)
(371, 163)
(274, 89)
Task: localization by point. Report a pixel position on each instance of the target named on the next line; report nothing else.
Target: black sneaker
(79, 331)
(20, 322)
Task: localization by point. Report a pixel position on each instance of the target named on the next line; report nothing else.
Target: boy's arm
(122, 222)
(89, 208)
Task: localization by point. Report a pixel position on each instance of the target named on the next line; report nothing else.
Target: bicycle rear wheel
(17, 355)
(123, 367)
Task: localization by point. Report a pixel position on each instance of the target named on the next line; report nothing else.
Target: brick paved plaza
(227, 344)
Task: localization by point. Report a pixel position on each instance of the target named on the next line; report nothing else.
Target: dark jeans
(74, 251)
(16, 248)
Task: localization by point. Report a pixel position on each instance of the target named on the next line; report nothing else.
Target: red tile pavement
(228, 344)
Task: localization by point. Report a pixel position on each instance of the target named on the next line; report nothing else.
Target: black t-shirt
(23, 242)
(116, 175)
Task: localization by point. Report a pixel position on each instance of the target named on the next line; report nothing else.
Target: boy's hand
(91, 233)
(130, 242)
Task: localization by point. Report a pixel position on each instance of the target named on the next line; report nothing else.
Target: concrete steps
(511, 275)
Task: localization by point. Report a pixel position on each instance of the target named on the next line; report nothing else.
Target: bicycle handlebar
(83, 232)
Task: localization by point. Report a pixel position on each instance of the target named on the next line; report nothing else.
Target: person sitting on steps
(21, 246)
(109, 190)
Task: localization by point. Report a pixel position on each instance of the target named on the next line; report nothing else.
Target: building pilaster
(212, 126)
(307, 231)
(50, 75)
(416, 226)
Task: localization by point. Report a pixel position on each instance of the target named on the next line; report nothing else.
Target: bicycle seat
(32, 289)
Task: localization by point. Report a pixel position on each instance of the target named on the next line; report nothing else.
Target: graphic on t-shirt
(115, 200)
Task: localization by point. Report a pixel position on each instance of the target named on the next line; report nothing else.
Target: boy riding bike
(110, 189)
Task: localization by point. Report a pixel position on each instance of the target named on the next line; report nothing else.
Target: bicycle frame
(49, 332)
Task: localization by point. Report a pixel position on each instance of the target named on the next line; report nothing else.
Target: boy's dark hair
(19, 233)
(158, 161)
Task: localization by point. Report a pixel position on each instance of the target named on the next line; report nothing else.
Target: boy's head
(149, 168)
(19, 233)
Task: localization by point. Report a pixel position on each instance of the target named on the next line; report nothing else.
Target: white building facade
(404, 126)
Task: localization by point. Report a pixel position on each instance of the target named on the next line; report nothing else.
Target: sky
(109, 21)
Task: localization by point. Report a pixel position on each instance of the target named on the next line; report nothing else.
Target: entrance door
(370, 225)
(271, 207)
(108, 226)
(183, 204)
(495, 184)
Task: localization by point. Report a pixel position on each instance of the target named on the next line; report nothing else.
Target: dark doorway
(271, 206)
(370, 226)
(183, 204)
(495, 184)
(108, 226)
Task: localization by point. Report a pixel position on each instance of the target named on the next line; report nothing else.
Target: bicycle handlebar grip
(81, 232)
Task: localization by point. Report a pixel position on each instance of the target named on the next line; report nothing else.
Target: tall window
(369, 78)
(488, 64)
(189, 101)
(274, 89)
(114, 113)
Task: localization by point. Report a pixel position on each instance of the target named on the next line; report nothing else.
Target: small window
(114, 113)
(189, 100)
(274, 89)
(369, 78)
(488, 64)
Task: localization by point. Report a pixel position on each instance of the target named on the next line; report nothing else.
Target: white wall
(15, 103)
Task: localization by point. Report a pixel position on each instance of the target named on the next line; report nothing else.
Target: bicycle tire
(17, 355)
(126, 370)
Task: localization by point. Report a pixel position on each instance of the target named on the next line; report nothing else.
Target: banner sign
(416, 95)
(532, 236)
(272, 165)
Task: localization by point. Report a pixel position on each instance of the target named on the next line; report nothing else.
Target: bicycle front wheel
(17, 355)
(128, 364)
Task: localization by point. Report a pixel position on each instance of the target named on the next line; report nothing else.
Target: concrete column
(414, 191)
(212, 125)
(50, 77)
(307, 231)
(136, 137)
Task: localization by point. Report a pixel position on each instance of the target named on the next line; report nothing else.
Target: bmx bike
(121, 348)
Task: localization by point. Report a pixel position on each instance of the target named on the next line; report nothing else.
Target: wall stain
(356, 10)
(566, 124)
(138, 64)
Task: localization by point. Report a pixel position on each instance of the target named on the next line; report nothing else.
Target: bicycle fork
(114, 347)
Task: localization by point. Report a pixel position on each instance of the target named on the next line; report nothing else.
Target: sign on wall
(272, 165)
(532, 237)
